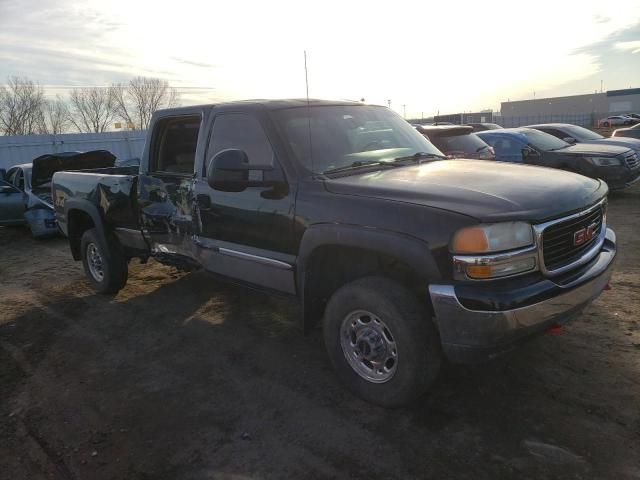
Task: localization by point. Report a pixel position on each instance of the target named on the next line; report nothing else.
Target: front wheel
(381, 341)
(104, 263)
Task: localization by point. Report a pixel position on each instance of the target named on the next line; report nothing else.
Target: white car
(616, 120)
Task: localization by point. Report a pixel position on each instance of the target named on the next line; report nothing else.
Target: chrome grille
(558, 248)
(631, 159)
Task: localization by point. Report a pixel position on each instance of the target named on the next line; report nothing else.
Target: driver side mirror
(528, 152)
(228, 171)
(569, 140)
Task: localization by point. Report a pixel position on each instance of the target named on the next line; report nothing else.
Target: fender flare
(90, 209)
(410, 250)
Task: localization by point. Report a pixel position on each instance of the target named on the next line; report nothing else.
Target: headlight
(495, 237)
(474, 251)
(605, 161)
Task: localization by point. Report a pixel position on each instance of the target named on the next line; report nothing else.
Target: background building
(582, 110)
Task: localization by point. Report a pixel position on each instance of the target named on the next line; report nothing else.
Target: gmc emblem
(584, 234)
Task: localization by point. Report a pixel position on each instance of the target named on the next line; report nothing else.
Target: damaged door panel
(165, 212)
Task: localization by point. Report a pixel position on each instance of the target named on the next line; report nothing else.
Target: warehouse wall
(603, 104)
(23, 149)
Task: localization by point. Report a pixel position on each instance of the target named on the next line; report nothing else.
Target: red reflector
(554, 329)
(607, 286)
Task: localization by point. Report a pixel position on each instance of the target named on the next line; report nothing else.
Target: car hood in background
(624, 142)
(46, 165)
(594, 149)
(488, 191)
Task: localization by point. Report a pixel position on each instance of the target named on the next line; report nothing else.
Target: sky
(425, 57)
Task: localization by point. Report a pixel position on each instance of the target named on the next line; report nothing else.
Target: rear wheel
(605, 124)
(381, 341)
(104, 264)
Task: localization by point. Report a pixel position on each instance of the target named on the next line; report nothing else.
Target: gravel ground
(182, 377)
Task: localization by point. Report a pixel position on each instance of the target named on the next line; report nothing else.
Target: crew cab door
(165, 190)
(246, 235)
(11, 204)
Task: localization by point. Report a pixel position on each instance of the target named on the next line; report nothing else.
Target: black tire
(605, 124)
(113, 262)
(418, 352)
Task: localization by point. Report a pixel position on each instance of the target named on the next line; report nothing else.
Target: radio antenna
(306, 82)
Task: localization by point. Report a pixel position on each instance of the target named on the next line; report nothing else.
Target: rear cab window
(174, 145)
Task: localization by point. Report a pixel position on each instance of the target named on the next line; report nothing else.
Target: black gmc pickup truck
(404, 257)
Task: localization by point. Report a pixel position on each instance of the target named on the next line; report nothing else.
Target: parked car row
(631, 132)
(564, 146)
(615, 120)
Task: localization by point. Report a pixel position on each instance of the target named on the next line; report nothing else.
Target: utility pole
(389, 103)
(404, 110)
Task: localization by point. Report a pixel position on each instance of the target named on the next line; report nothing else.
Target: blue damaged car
(25, 190)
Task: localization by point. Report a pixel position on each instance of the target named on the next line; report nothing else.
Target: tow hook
(554, 329)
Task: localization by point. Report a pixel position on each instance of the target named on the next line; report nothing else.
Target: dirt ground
(182, 377)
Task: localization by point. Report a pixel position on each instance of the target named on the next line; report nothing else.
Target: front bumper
(470, 336)
(618, 178)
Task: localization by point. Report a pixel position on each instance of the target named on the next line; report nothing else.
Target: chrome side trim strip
(255, 258)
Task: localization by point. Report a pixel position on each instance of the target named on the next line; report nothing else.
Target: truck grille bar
(631, 159)
(571, 241)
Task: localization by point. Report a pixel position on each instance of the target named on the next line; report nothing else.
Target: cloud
(192, 63)
(607, 46)
(633, 45)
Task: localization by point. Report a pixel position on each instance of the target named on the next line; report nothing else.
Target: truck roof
(270, 104)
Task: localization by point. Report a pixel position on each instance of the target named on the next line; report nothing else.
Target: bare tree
(91, 109)
(21, 107)
(137, 100)
(56, 116)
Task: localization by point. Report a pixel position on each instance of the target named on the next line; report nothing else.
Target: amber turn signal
(470, 240)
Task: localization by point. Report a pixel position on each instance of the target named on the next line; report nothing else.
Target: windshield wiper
(355, 165)
(419, 157)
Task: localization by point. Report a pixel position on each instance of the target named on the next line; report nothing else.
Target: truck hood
(594, 149)
(46, 165)
(486, 190)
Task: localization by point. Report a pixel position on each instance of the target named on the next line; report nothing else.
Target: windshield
(581, 133)
(543, 141)
(325, 138)
(456, 145)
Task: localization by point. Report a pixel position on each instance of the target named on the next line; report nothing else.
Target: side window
(174, 145)
(241, 131)
(16, 178)
(555, 133)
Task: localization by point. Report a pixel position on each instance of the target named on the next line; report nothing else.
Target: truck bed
(109, 192)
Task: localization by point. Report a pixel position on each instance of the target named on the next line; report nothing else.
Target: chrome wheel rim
(94, 262)
(369, 346)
